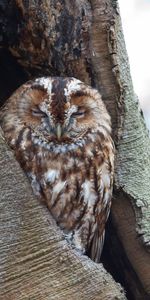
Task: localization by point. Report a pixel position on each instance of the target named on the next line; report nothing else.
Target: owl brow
(34, 86)
(38, 87)
(79, 94)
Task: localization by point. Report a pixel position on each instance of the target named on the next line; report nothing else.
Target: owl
(60, 132)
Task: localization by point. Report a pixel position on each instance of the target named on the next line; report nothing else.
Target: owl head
(56, 109)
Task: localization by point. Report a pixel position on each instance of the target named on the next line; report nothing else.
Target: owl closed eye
(60, 131)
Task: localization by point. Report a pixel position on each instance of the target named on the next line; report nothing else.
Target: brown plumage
(60, 131)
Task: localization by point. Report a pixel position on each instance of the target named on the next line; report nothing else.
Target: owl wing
(97, 242)
(97, 246)
(105, 186)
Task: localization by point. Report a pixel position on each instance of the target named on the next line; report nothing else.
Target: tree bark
(84, 39)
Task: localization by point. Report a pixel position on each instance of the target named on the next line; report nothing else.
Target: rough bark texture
(84, 39)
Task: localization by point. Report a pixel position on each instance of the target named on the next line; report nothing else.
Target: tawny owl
(60, 131)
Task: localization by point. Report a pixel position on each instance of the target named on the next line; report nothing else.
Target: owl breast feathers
(60, 131)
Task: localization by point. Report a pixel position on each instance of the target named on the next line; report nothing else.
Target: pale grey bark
(132, 177)
(133, 151)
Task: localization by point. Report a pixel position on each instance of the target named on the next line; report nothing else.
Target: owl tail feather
(97, 246)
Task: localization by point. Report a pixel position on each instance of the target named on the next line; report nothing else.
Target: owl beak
(58, 131)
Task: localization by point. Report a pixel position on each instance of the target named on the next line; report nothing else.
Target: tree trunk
(83, 39)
